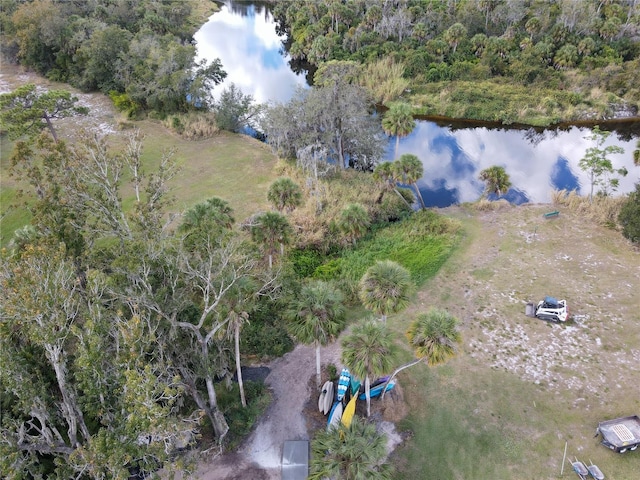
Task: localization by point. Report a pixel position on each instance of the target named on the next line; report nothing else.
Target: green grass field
(483, 415)
(236, 168)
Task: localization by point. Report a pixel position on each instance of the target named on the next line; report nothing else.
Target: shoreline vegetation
(535, 66)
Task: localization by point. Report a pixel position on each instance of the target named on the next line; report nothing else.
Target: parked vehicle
(552, 309)
(620, 434)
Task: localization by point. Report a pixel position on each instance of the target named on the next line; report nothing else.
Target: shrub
(305, 261)
(629, 216)
(265, 335)
(124, 103)
(240, 419)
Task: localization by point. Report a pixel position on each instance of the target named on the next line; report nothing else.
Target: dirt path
(260, 456)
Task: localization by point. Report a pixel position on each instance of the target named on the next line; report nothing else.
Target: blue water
(251, 52)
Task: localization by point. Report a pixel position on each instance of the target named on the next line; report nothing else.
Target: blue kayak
(376, 391)
(343, 383)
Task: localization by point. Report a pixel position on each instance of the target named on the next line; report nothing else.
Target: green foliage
(270, 230)
(421, 243)
(265, 336)
(386, 288)
(332, 372)
(27, 111)
(398, 121)
(316, 313)
(242, 420)
(433, 336)
(123, 103)
(351, 453)
(368, 351)
(598, 166)
(529, 42)
(206, 222)
(629, 216)
(285, 194)
(354, 221)
(305, 261)
(142, 49)
(409, 169)
(235, 110)
(496, 180)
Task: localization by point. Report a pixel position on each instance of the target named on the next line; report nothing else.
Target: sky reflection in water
(251, 53)
(453, 160)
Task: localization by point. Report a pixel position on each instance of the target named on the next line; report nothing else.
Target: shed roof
(295, 460)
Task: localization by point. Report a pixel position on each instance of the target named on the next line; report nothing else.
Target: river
(243, 35)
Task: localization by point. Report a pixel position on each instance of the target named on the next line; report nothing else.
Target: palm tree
(316, 316)
(455, 34)
(410, 169)
(385, 288)
(239, 301)
(354, 221)
(433, 337)
(350, 453)
(284, 193)
(386, 175)
(367, 352)
(497, 180)
(398, 121)
(271, 229)
(206, 220)
(532, 27)
(566, 57)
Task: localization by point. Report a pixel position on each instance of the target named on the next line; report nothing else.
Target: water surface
(243, 35)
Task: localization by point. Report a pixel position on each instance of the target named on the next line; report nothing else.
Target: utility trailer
(620, 434)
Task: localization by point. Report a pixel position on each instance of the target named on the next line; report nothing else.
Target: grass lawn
(236, 168)
(521, 388)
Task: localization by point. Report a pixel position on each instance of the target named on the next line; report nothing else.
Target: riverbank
(507, 103)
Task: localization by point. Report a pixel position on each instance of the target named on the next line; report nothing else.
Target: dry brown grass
(484, 205)
(314, 220)
(602, 210)
(193, 126)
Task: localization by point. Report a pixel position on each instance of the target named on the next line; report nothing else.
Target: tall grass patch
(315, 221)
(420, 243)
(602, 210)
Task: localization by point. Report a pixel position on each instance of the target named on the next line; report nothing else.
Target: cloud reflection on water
(250, 52)
(453, 160)
(246, 42)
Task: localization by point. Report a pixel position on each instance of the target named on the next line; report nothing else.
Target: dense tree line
(530, 42)
(139, 51)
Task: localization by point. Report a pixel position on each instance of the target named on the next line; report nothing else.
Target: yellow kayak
(349, 411)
